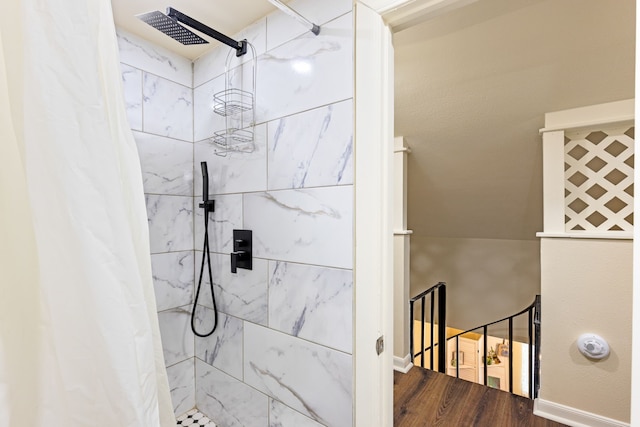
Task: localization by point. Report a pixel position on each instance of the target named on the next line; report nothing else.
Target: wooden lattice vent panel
(599, 180)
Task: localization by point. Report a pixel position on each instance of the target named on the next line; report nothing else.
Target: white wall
(586, 287)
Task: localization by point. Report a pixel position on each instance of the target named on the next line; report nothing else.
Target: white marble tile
(237, 172)
(132, 90)
(172, 279)
(167, 108)
(212, 64)
(281, 27)
(282, 416)
(167, 164)
(227, 401)
(146, 56)
(205, 121)
(209, 66)
(312, 226)
(223, 348)
(307, 377)
(222, 222)
(314, 303)
(182, 386)
(177, 338)
(242, 295)
(307, 72)
(312, 149)
(170, 223)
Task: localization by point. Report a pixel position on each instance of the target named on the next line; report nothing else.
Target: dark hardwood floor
(426, 398)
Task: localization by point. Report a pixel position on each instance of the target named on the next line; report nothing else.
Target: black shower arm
(240, 47)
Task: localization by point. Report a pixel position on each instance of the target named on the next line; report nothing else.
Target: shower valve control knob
(242, 255)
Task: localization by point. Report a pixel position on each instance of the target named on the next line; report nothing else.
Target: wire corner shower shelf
(236, 103)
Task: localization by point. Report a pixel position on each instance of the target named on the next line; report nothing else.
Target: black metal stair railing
(440, 289)
(533, 331)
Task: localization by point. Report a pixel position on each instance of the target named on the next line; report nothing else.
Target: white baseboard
(571, 416)
(402, 364)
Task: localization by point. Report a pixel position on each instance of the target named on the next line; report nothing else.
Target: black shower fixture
(168, 24)
(209, 207)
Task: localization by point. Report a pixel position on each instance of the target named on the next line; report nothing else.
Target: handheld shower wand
(208, 206)
(205, 181)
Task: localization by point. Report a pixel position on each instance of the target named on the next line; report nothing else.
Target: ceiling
(471, 90)
(225, 16)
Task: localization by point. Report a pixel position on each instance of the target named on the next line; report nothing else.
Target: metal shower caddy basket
(237, 105)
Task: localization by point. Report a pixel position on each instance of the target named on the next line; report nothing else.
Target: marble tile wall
(282, 353)
(158, 93)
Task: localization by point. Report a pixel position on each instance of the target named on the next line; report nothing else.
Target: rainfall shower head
(170, 27)
(168, 24)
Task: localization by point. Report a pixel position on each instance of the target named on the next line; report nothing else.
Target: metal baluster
(457, 356)
(484, 358)
(422, 335)
(531, 355)
(536, 361)
(442, 327)
(432, 316)
(411, 345)
(510, 354)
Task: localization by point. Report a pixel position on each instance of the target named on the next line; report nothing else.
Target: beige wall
(586, 287)
(487, 279)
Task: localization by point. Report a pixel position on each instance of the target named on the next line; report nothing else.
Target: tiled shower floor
(194, 418)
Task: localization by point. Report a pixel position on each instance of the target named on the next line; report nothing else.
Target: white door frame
(373, 271)
(373, 236)
(373, 264)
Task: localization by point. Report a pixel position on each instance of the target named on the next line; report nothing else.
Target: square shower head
(170, 27)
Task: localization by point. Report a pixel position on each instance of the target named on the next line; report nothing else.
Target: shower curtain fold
(79, 336)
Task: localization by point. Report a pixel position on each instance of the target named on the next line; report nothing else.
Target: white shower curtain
(79, 336)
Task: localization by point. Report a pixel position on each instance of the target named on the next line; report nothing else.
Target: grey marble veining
(172, 279)
(167, 108)
(166, 164)
(170, 223)
(282, 416)
(182, 386)
(281, 27)
(227, 401)
(312, 226)
(177, 338)
(307, 72)
(312, 149)
(242, 295)
(307, 377)
(222, 222)
(132, 89)
(144, 55)
(223, 348)
(314, 303)
(236, 172)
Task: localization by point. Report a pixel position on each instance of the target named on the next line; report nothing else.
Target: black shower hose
(213, 298)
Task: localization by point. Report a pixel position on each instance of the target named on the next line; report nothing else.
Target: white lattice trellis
(599, 180)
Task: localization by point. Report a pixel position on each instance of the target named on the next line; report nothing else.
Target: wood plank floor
(426, 398)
